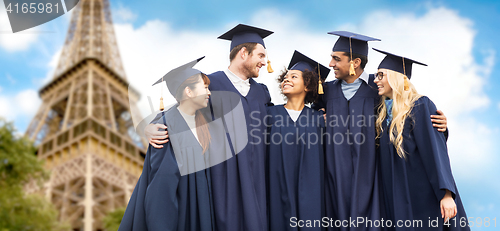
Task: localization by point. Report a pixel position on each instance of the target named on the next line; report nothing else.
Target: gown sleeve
(157, 118)
(321, 101)
(268, 96)
(431, 145)
(154, 196)
(160, 203)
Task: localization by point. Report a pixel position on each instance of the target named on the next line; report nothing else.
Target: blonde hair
(403, 102)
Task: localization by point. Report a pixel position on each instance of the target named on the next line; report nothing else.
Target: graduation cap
(397, 63)
(352, 43)
(301, 62)
(177, 76)
(247, 34)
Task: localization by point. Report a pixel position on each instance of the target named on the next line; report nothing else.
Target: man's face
(340, 65)
(254, 61)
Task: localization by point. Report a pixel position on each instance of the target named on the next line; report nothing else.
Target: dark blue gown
(163, 199)
(351, 182)
(412, 188)
(239, 184)
(295, 177)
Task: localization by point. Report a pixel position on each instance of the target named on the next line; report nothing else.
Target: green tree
(18, 166)
(113, 219)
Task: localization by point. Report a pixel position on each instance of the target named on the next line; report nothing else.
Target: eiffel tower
(84, 129)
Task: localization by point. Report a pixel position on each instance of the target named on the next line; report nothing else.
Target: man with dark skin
(350, 102)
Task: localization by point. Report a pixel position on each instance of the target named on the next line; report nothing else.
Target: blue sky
(458, 39)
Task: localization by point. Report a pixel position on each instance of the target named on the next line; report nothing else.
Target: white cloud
(444, 41)
(454, 79)
(27, 102)
(14, 42)
(150, 51)
(22, 105)
(5, 108)
(52, 68)
(123, 14)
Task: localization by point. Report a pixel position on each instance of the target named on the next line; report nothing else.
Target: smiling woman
(174, 191)
(295, 82)
(413, 154)
(296, 164)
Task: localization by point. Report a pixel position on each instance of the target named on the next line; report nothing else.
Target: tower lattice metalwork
(84, 129)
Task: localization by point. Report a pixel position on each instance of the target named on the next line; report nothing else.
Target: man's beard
(250, 69)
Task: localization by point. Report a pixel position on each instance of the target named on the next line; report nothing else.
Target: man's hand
(439, 121)
(324, 113)
(155, 137)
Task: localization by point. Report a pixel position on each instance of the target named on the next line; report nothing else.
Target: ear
(357, 63)
(188, 92)
(243, 53)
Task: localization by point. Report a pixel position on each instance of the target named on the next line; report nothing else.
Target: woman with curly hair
(295, 153)
(417, 182)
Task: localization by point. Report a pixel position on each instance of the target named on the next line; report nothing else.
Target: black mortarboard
(245, 34)
(177, 76)
(352, 42)
(397, 63)
(301, 62)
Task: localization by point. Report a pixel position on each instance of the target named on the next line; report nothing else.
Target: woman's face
(293, 83)
(200, 95)
(382, 82)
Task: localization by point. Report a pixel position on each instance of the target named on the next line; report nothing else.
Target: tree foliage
(113, 219)
(18, 166)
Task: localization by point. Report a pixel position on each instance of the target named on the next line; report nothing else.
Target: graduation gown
(239, 184)
(351, 185)
(295, 177)
(165, 199)
(412, 188)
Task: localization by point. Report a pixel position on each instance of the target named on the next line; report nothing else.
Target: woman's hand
(448, 207)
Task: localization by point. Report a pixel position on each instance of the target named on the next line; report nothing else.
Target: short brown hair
(249, 46)
(310, 82)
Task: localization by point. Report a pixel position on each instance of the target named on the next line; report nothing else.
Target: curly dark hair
(310, 82)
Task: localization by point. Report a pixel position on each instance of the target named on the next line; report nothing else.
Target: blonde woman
(418, 189)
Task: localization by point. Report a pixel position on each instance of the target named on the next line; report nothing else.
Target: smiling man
(239, 183)
(351, 181)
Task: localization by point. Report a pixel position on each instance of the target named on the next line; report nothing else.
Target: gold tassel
(407, 85)
(351, 69)
(161, 104)
(320, 87)
(320, 83)
(269, 69)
